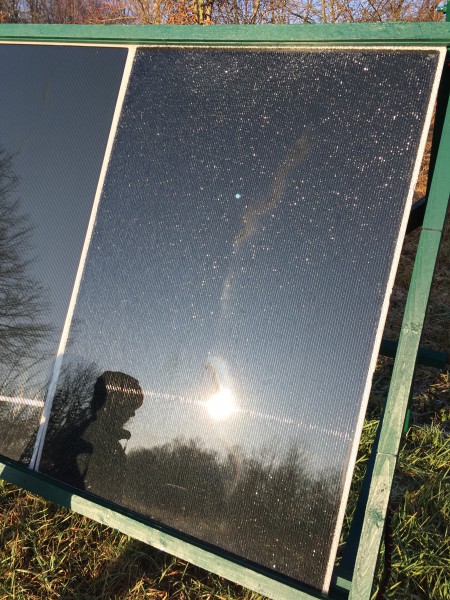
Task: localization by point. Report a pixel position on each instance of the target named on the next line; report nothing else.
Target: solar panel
(57, 105)
(231, 295)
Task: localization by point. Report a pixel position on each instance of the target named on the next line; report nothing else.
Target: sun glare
(221, 405)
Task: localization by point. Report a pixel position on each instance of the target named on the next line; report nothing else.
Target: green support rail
(351, 34)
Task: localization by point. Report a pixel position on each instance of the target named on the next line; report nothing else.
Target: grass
(421, 493)
(48, 552)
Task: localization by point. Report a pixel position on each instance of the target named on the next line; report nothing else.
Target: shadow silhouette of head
(116, 398)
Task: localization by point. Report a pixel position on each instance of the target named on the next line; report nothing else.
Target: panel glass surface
(56, 105)
(233, 289)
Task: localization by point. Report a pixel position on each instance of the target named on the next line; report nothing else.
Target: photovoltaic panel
(232, 297)
(57, 105)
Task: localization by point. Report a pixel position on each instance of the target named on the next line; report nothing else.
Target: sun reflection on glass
(221, 405)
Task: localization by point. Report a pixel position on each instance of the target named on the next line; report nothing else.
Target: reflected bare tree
(72, 402)
(70, 416)
(24, 333)
(22, 306)
(270, 509)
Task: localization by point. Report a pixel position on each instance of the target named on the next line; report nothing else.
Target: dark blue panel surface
(56, 106)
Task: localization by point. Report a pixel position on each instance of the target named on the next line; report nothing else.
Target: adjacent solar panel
(231, 296)
(57, 105)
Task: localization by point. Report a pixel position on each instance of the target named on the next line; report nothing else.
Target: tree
(209, 12)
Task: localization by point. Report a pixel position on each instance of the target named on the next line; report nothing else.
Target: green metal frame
(246, 574)
(367, 34)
